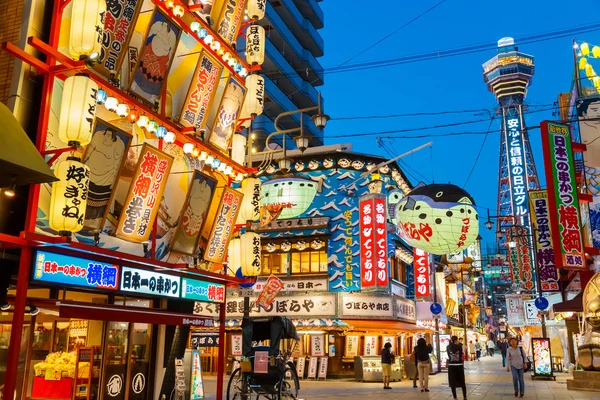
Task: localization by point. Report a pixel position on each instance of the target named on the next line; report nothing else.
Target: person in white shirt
(490, 347)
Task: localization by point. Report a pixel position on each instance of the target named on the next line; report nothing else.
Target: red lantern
(133, 116)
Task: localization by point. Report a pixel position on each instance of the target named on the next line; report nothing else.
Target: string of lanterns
(586, 52)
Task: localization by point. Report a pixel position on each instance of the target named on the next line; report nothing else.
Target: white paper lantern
(255, 45)
(188, 148)
(238, 148)
(234, 254)
(255, 96)
(251, 254)
(250, 207)
(69, 196)
(86, 27)
(256, 9)
(77, 110)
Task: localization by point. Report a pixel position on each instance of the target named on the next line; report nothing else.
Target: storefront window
(307, 262)
(398, 268)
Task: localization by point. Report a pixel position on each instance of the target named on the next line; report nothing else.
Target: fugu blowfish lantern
(289, 195)
(438, 218)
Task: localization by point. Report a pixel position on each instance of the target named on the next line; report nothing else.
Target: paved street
(485, 380)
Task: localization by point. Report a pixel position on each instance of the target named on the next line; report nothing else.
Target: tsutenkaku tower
(508, 75)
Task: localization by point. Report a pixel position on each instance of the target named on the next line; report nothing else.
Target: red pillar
(221, 360)
(14, 347)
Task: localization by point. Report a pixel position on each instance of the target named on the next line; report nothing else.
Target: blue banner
(74, 271)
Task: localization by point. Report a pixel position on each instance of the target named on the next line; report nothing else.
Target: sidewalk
(486, 380)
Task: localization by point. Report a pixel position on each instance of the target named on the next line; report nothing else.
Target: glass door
(139, 361)
(116, 350)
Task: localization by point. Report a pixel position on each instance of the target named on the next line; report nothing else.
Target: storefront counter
(45, 389)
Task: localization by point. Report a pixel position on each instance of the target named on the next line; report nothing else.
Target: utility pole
(538, 281)
(462, 285)
(437, 319)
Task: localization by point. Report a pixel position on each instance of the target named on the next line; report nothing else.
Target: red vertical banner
(381, 243)
(422, 273)
(367, 242)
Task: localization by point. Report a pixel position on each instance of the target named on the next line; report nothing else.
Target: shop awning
(377, 325)
(573, 305)
(20, 161)
(103, 312)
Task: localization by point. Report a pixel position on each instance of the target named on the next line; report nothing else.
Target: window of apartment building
(398, 268)
(308, 262)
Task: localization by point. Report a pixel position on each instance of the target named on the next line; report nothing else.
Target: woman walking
(515, 358)
(422, 351)
(456, 367)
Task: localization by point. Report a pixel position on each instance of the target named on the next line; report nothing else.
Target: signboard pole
(537, 276)
(437, 320)
(221, 355)
(462, 285)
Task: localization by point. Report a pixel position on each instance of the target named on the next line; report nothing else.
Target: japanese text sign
(565, 218)
(270, 291)
(201, 339)
(119, 23)
(367, 306)
(222, 229)
(373, 243)
(515, 313)
(516, 161)
(74, 271)
(422, 273)
(202, 91)
(290, 306)
(230, 20)
(525, 260)
(145, 193)
(548, 274)
(149, 282)
(193, 289)
(513, 257)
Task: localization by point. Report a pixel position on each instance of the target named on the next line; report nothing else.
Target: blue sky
(445, 84)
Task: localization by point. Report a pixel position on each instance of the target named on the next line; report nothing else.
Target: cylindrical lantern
(77, 110)
(256, 9)
(69, 196)
(255, 96)
(255, 45)
(234, 254)
(86, 27)
(251, 254)
(238, 148)
(250, 207)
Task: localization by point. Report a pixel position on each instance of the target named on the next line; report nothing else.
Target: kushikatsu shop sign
(546, 259)
(145, 194)
(373, 243)
(74, 271)
(565, 216)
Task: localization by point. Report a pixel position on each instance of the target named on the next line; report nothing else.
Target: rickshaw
(280, 382)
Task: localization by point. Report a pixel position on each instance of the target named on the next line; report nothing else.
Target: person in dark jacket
(503, 346)
(422, 352)
(387, 359)
(456, 367)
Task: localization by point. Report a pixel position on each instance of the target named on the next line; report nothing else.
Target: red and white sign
(373, 243)
(270, 291)
(421, 264)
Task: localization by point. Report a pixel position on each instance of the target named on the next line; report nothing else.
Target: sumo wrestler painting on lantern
(105, 156)
(155, 59)
(193, 214)
(227, 115)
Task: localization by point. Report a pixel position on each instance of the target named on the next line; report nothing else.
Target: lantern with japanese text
(77, 110)
(438, 218)
(69, 196)
(251, 254)
(238, 148)
(256, 9)
(293, 194)
(255, 97)
(234, 254)
(255, 45)
(86, 27)
(250, 208)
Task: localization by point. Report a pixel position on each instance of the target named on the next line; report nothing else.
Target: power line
(480, 151)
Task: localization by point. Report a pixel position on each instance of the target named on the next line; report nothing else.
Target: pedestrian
(465, 349)
(503, 348)
(456, 367)
(413, 358)
(422, 352)
(471, 356)
(490, 347)
(516, 364)
(477, 349)
(387, 359)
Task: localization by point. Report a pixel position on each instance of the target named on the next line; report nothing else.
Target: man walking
(503, 348)
(490, 347)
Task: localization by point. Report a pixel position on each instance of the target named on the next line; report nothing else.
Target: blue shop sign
(193, 289)
(74, 271)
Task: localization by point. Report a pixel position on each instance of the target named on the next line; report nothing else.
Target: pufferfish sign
(438, 218)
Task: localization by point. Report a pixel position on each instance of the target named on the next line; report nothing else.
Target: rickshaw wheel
(289, 386)
(238, 388)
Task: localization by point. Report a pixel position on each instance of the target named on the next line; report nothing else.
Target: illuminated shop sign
(74, 271)
(149, 282)
(192, 289)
